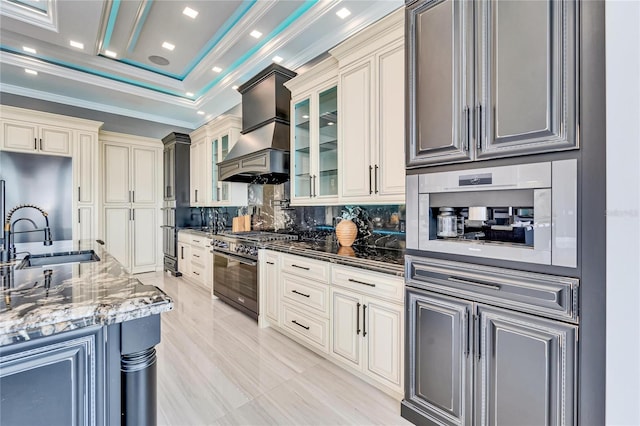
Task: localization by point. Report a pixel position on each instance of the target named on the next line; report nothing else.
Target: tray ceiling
(123, 68)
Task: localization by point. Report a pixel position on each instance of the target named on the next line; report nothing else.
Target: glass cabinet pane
(224, 141)
(302, 177)
(223, 188)
(328, 142)
(214, 170)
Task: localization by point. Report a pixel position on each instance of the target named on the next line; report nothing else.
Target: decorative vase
(346, 232)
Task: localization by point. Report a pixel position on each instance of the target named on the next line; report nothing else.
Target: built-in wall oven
(235, 268)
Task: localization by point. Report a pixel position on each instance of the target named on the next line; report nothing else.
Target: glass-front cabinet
(218, 137)
(314, 136)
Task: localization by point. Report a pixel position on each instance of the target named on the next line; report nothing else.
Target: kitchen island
(77, 343)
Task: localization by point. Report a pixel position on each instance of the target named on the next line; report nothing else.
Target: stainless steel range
(235, 267)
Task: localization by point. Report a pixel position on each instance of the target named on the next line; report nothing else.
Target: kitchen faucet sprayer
(9, 252)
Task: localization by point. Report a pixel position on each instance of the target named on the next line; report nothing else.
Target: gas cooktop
(247, 243)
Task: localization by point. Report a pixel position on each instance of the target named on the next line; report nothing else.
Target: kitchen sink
(37, 260)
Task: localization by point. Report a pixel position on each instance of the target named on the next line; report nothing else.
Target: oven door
(235, 281)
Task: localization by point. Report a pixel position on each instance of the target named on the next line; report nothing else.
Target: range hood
(261, 155)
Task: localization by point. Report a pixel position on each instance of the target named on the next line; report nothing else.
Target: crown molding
(47, 20)
(109, 136)
(26, 114)
(46, 96)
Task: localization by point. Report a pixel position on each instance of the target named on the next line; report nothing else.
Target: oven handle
(236, 258)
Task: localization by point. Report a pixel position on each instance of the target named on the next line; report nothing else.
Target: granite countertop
(197, 231)
(378, 259)
(42, 301)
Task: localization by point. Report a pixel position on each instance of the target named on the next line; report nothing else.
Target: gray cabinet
(54, 381)
(506, 88)
(474, 364)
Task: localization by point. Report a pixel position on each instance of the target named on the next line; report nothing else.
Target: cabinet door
(385, 344)
(301, 148)
(145, 177)
(440, 363)
(527, 76)
(215, 159)
(388, 178)
(356, 167)
(184, 259)
(271, 287)
(86, 167)
(527, 370)
(169, 160)
(19, 136)
(196, 169)
(85, 223)
(53, 380)
(55, 140)
(144, 239)
(117, 225)
(116, 174)
(346, 327)
(440, 72)
(325, 182)
(223, 195)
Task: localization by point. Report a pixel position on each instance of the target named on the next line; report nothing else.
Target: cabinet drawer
(546, 295)
(304, 267)
(311, 329)
(198, 273)
(306, 294)
(370, 283)
(184, 237)
(198, 255)
(199, 240)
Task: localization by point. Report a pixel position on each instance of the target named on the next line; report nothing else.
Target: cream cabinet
(314, 135)
(210, 145)
(371, 106)
(131, 193)
(26, 136)
(36, 132)
(194, 260)
(354, 317)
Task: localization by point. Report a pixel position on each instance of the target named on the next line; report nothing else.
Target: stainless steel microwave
(523, 213)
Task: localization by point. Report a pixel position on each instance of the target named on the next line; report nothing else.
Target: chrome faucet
(9, 252)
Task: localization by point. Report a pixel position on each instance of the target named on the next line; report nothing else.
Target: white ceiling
(135, 86)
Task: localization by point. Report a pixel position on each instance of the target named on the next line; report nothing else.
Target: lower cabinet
(194, 258)
(352, 316)
(474, 364)
(367, 334)
(54, 381)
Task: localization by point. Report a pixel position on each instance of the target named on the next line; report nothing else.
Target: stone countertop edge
(79, 295)
(371, 265)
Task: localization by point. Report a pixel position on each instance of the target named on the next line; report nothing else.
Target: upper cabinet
(29, 137)
(210, 145)
(314, 135)
(490, 79)
(371, 106)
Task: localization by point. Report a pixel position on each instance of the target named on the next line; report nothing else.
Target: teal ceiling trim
(283, 25)
(220, 34)
(97, 73)
(113, 14)
(139, 25)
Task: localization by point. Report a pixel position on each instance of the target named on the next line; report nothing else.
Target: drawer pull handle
(195, 241)
(270, 263)
(196, 255)
(300, 267)
(361, 282)
(479, 284)
(301, 294)
(299, 325)
(196, 273)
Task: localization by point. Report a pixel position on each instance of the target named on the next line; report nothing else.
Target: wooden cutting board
(241, 223)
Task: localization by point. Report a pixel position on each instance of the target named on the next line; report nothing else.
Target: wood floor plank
(215, 366)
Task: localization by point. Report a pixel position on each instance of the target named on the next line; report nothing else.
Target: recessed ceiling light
(255, 34)
(234, 87)
(76, 44)
(216, 69)
(277, 59)
(168, 45)
(29, 49)
(190, 12)
(331, 123)
(110, 53)
(343, 13)
(200, 112)
(305, 116)
(189, 94)
(32, 72)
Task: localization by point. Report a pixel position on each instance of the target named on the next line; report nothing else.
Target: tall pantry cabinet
(131, 184)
